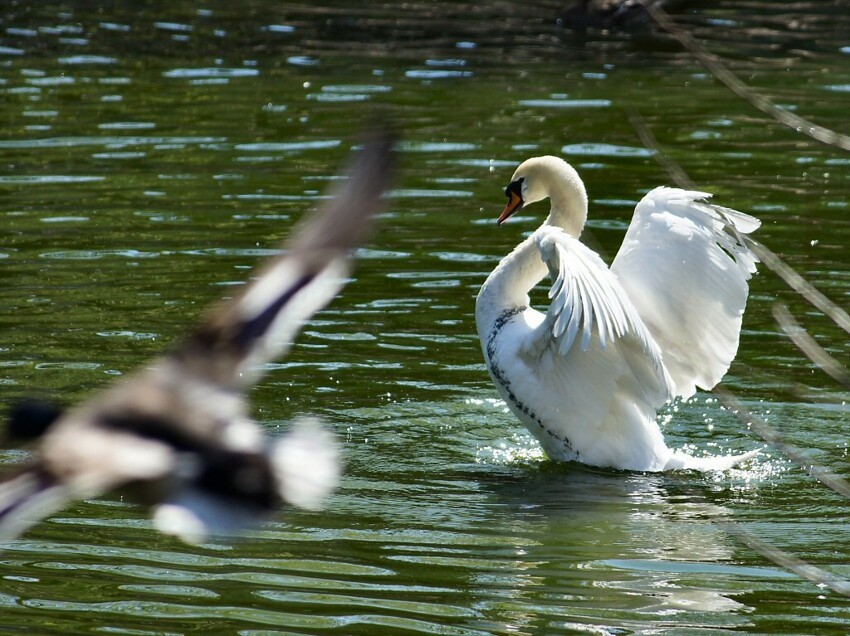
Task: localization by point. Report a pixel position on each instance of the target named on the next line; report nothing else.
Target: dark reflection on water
(153, 152)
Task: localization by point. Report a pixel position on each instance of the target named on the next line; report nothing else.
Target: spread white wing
(685, 264)
(586, 300)
(588, 369)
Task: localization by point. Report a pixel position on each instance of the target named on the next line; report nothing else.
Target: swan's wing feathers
(585, 376)
(586, 298)
(743, 223)
(568, 310)
(260, 324)
(684, 264)
(732, 236)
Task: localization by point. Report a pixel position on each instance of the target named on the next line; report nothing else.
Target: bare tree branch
(809, 346)
(767, 433)
(679, 176)
(801, 568)
(713, 64)
(813, 351)
(802, 286)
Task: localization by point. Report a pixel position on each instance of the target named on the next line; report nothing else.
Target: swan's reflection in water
(533, 543)
(621, 549)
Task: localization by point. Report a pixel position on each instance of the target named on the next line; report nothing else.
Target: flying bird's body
(587, 376)
(177, 434)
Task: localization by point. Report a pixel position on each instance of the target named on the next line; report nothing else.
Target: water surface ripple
(154, 153)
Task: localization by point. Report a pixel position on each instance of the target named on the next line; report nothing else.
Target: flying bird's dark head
(29, 419)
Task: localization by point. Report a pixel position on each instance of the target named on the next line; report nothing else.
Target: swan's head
(546, 177)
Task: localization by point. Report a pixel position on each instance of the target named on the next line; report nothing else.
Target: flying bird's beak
(514, 204)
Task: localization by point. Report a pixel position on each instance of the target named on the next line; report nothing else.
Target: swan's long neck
(509, 284)
(568, 199)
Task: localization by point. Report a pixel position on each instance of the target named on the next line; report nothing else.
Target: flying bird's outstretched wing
(260, 324)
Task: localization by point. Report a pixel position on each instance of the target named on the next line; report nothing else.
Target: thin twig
(761, 428)
(802, 286)
(834, 482)
(762, 103)
(801, 568)
(809, 346)
(798, 284)
(647, 137)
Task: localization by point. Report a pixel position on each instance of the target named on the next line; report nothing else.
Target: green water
(151, 153)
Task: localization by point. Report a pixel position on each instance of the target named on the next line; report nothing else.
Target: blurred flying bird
(177, 435)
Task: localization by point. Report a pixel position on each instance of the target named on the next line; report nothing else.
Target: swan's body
(587, 377)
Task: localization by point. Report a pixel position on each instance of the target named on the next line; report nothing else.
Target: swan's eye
(515, 187)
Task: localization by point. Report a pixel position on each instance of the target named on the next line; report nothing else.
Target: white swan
(587, 376)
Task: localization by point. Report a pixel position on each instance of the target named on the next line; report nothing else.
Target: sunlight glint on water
(152, 156)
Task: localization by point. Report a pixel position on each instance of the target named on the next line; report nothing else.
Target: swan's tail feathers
(26, 499)
(307, 464)
(683, 461)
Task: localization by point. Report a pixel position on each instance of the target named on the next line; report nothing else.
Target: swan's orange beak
(514, 204)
